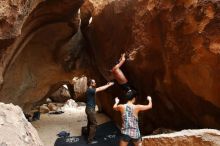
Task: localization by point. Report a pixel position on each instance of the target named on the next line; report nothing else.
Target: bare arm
(145, 107)
(121, 62)
(104, 87)
(116, 106)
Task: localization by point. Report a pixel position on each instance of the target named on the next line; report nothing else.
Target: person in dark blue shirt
(90, 108)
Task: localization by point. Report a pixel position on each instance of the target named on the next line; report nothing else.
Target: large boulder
(15, 129)
(35, 61)
(172, 50)
(52, 107)
(61, 95)
(80, 86)
(44, 108)
(203, 137)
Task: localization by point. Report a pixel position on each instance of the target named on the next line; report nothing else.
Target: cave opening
(172, 49)
(63, 109)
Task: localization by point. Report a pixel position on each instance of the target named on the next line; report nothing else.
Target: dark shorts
(127, 138)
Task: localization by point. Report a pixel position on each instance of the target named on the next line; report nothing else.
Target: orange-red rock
(173, 50)
(35, 61)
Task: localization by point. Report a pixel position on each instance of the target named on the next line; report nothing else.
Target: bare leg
(123, 143)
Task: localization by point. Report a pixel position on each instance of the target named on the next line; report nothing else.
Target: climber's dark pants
(92, 123)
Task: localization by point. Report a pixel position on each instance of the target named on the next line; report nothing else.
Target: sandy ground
(70, 121)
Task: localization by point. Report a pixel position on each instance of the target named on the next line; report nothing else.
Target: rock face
(203, 137)
(61, 95)
(13, 15)
(35, 61)
(15, 129)
(173, 55)
(80, 86)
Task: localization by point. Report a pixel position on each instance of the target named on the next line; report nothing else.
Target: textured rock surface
(203, 137)
(80, 86)
(61, 95)
(36, 61)
(44, 109)
(13, 14)
(173, 55)
(15, 129)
